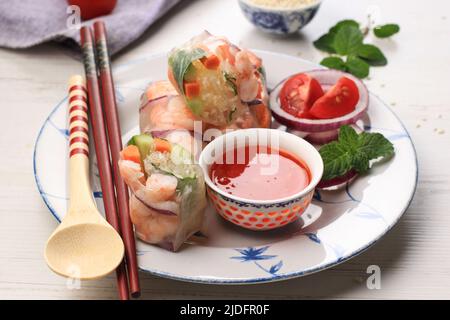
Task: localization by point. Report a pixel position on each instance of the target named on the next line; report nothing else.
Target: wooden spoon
(84, 246)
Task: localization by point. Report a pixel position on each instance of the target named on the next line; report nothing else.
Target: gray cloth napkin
(26, 23)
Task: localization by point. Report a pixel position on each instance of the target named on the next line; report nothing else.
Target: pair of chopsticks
(98, 69)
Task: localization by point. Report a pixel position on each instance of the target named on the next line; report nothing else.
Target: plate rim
(237, 281)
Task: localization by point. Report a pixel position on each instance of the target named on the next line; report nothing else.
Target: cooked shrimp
(152, 226)
(186, 140)
(161, 187)
(157, 188)
(248, 83)
(248, 89)
(166, 110)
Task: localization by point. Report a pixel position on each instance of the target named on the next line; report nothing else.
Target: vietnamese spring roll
(163, 113)
(168, 198)
(222, 84)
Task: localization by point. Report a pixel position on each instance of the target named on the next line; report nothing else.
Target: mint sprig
(345, 40)
(353, 151)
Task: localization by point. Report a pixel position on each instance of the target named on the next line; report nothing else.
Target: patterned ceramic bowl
(279, 20)
(261, 214)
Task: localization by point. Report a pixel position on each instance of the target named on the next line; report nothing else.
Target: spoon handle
(80, 190)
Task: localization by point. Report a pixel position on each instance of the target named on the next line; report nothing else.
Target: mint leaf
(386, 30)
(333, 63)
(371, 54)
(374, 145)
(347, 136)
(347, 39)
(180, 61)
(353, 151)
(343, 23)
(325, 43)
(337, 160)
(357, 66)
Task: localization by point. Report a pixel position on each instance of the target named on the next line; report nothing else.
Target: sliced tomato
(298, 95)
(340, 100)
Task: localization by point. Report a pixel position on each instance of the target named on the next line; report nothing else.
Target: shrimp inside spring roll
(167, 190)
(220, 82)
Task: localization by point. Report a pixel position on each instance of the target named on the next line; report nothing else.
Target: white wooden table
(414, 257)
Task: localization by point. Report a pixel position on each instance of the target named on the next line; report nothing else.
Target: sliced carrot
(191, 89)
(162, 145)
(211, 62)
(131, 153)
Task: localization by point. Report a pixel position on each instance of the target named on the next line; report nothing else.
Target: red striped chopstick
(101, 147)
(115, 144)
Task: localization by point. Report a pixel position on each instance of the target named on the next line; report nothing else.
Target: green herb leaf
(343, 23)
(371, 54)
(183, 183)
(386, 30)
(357, 66)
(325, 43)
(347, 39)
(231, 81)
(262, 72)
(334, 63)
(180, 61)
(353, 151)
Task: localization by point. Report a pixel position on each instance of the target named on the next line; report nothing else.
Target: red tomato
(340, 100)
(94, 8)
(298, 95)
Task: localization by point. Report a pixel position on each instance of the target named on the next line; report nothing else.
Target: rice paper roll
(168, 197)
(220, 82)
(163, 113)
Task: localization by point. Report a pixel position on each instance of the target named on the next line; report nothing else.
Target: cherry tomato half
(94, 8)
(340, 100)
(298, 95)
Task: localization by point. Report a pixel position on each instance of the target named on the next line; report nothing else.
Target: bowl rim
(274, 9)
(311, 149)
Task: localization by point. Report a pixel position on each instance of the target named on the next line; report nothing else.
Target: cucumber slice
(144, 142)
(195, 105)
(191, 74)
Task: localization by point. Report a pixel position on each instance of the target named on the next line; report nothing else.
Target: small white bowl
(279, 20)
(261, 214)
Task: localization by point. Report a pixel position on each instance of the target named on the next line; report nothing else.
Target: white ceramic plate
(336, 227)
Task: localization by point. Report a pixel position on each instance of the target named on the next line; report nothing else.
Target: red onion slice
(149, 102)
(326, 78)
(160, 211)
(338, 181)
(322, 137)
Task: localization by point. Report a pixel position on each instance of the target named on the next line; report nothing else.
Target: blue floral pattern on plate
(253, 254)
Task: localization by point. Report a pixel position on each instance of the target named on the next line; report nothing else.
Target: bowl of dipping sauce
(260, 179)
(279, 16)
